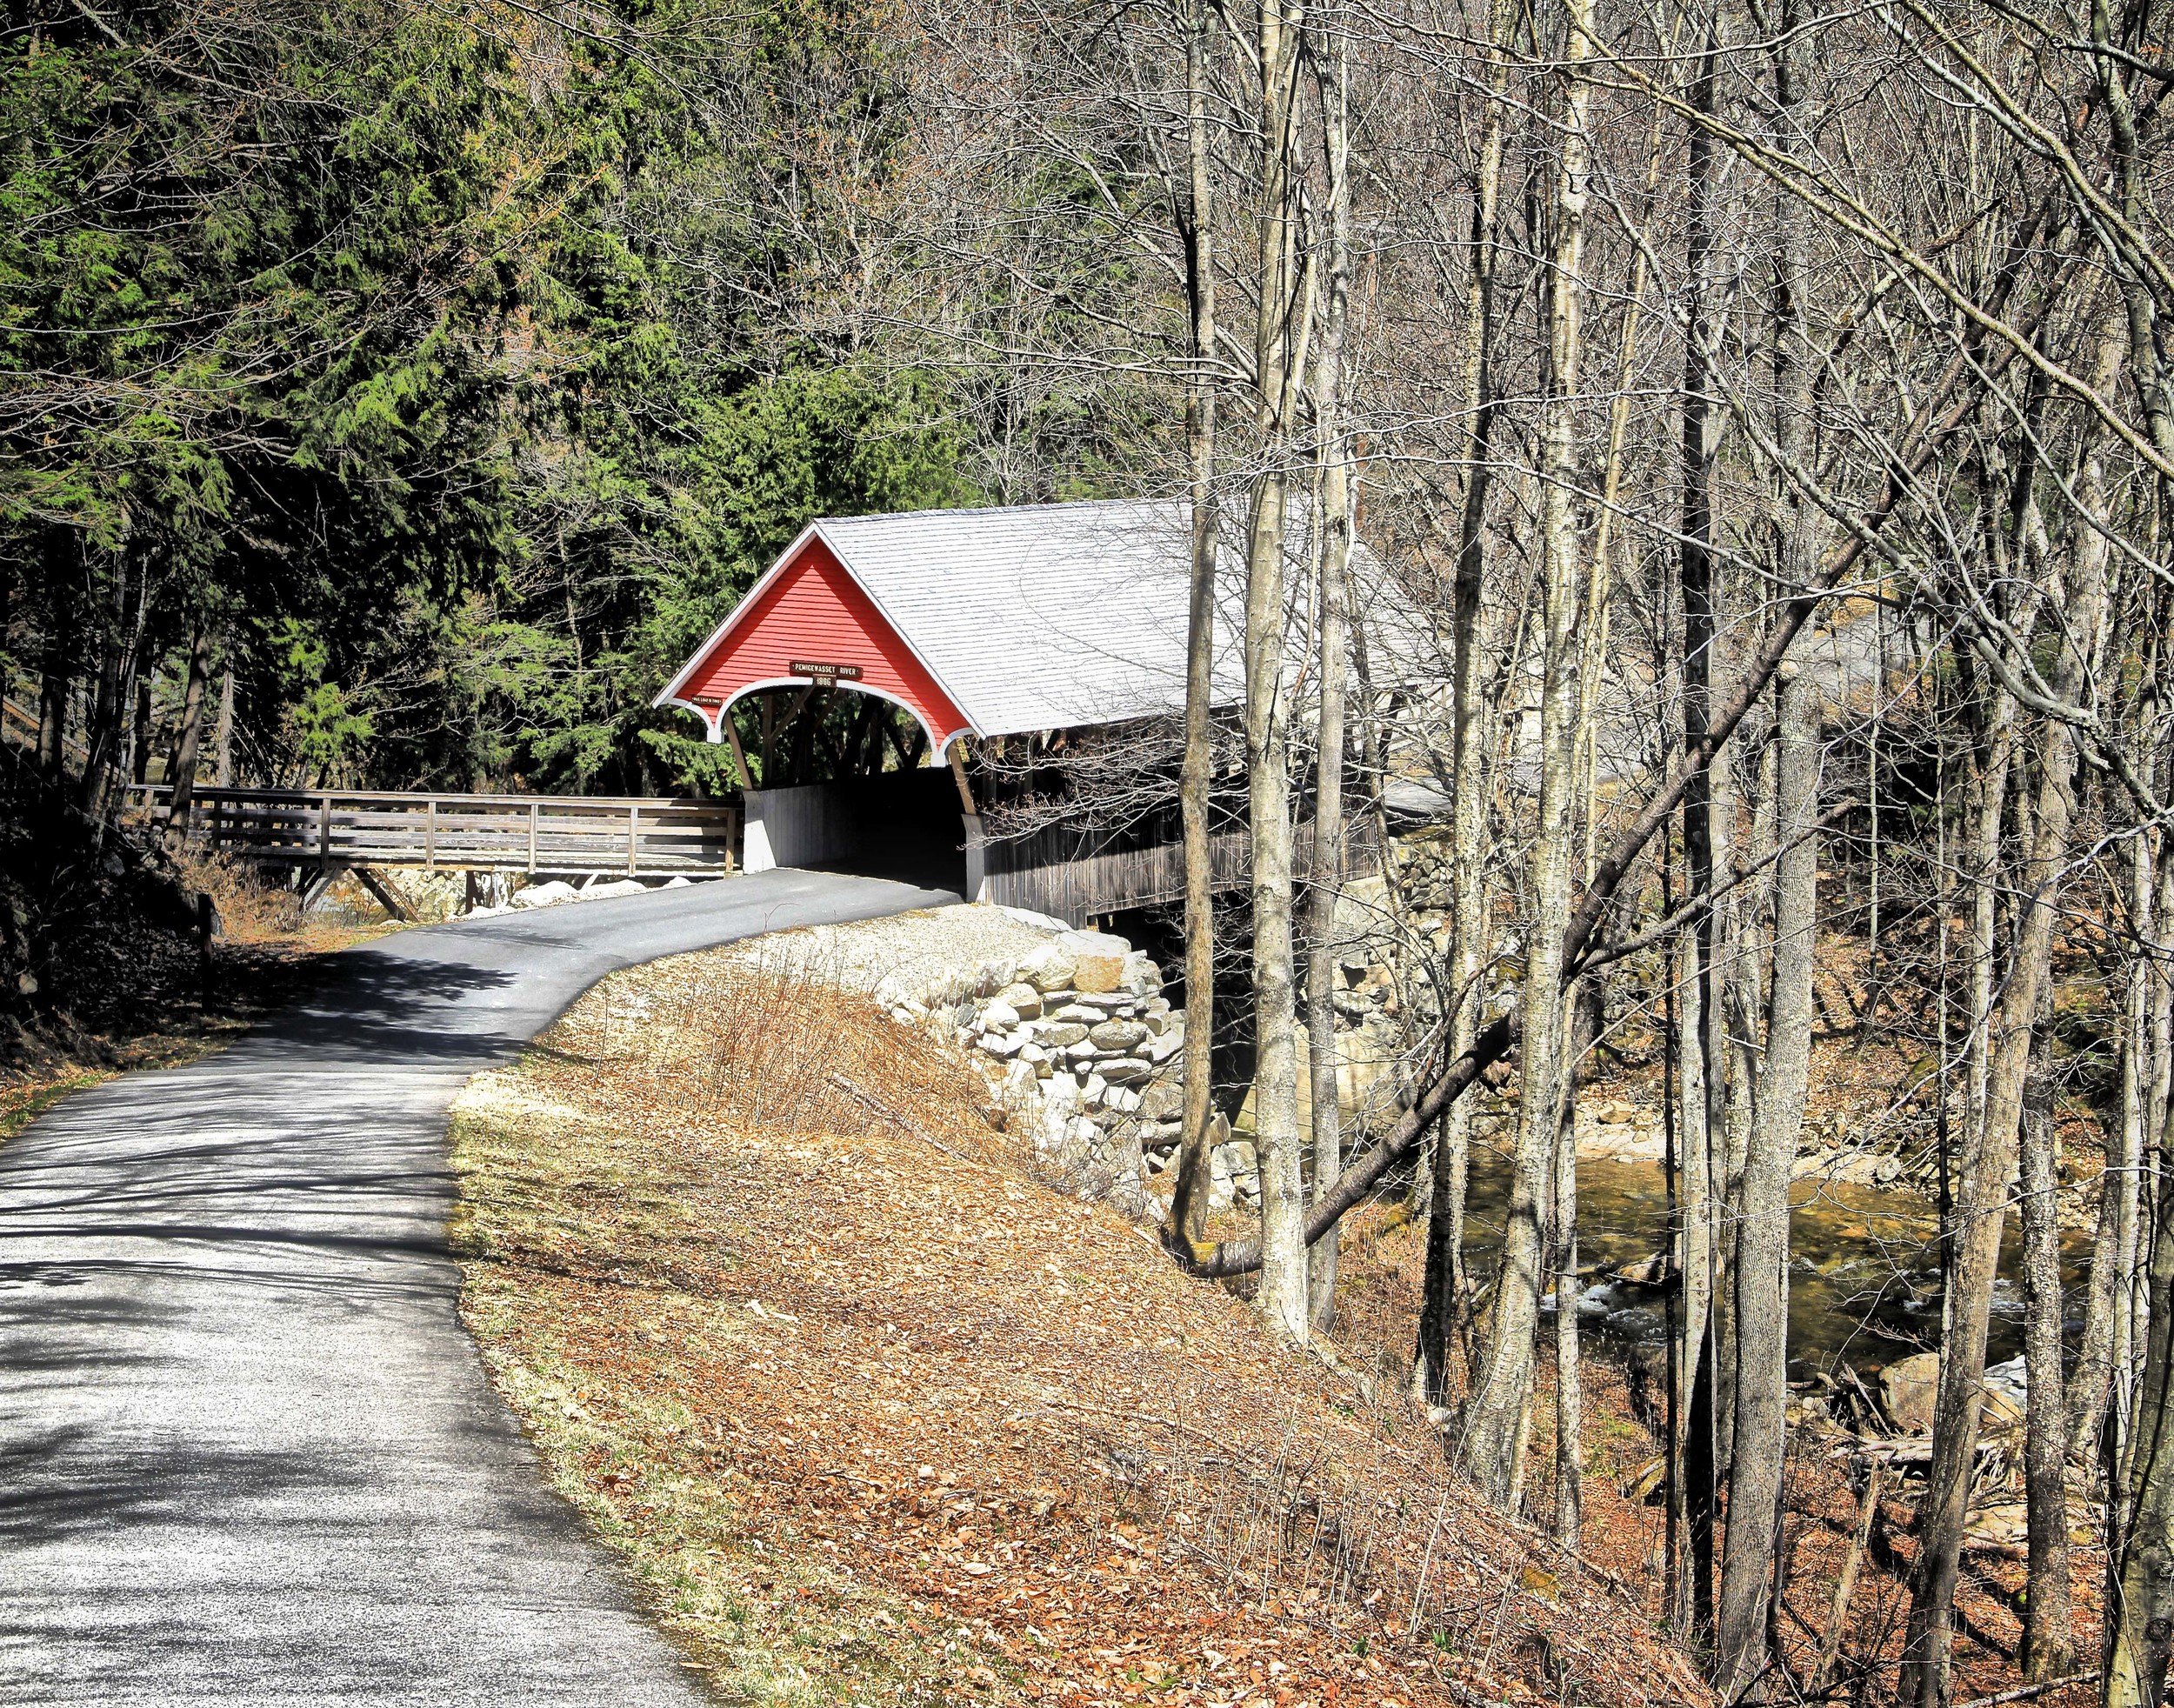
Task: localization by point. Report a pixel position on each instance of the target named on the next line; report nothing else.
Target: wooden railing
(19, 724)
(546, 833)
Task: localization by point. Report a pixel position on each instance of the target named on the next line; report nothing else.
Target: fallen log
(1845, 1585)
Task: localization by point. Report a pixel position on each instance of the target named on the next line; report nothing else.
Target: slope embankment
(873, 1413)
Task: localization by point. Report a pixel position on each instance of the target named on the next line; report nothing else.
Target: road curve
(248, 1454)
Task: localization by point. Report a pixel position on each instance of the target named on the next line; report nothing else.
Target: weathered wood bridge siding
(1076, 874)
(546, 833)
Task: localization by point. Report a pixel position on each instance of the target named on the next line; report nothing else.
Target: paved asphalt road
(248, 1454)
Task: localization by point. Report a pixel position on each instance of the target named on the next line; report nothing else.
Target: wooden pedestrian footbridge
(905, 825)
(333, 830)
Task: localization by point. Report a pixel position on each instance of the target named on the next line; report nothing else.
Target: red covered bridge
(988, 638)
(985, 621)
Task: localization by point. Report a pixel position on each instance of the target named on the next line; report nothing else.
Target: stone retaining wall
(1079, 1043)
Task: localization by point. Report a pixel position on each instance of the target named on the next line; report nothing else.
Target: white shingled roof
(1043, 617)
(1036, 616)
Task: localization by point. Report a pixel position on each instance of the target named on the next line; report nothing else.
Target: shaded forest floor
(872, 1413)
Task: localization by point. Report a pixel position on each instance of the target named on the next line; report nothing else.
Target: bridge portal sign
(817, 670)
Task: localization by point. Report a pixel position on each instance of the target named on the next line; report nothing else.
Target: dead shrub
(252, 909)
(767, 1042)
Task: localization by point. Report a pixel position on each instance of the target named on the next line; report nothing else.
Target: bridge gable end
(809, 616)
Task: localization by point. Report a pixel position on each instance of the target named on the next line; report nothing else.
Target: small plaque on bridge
(817, 671)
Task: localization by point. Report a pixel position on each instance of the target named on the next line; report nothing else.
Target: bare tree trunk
(1742, 949)
(1988, 805)
(1569, 1399)
(1982, 1203)
(60, 558)
(2087, 1388)
(2049, 1639)
(2108, 1345)
(140, 737)
(1189, 1207)
(1701, 1007)
(53, 684)
(1332, 72)
(2141, 1639)
(107, 714)
(2140, 1502)
(1767, 1087)
(1693, 1250)
(1279, 355)
(1846, 1582)
(1442, 1294)
(2140, 1200)
(1445, 1298)
(1761, 1272)
(1981, 1207)
(183, 771)
(1504, 1387)
(223, 776)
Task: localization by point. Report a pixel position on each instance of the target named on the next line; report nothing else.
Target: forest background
(437, 378)
(1768, 408)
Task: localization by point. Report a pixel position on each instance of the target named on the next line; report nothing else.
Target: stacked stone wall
(1078, 1042)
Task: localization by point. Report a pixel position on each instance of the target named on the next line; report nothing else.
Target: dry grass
(874, 1415)
(766, 1041)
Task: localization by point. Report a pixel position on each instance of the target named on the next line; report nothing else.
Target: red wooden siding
(814, 611)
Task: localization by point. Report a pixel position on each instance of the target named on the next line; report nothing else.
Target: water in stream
(1864, 1270)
